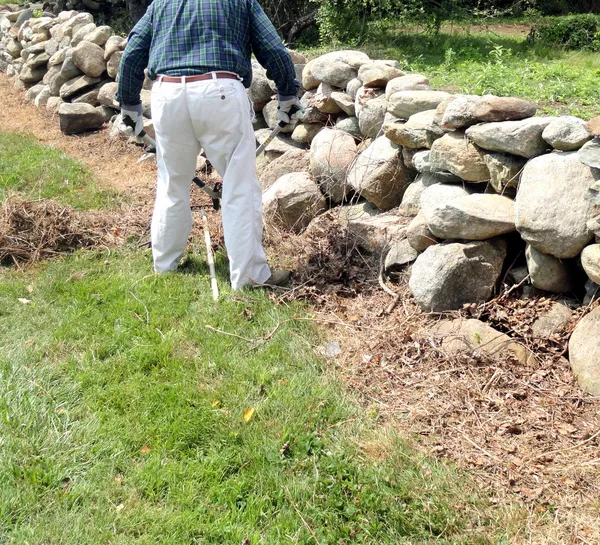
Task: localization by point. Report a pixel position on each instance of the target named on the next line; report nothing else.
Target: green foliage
(41, 172)
(121, 418)
(574, 32)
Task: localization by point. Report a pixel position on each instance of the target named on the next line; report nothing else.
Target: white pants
(215, 115)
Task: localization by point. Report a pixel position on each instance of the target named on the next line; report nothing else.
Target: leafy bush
(574, 32)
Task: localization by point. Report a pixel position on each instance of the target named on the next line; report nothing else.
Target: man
(199, 54)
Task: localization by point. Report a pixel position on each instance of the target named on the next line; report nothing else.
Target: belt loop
(160, 80)
(214, 75)
(183, 79)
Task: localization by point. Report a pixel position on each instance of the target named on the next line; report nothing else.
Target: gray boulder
(371, 116)
(336, 68)
(404, 104)
(112, 66)
(113, 44)
(310, 113)
(401, 253)
(379, 73)
(522, 138)
(270, 114)
(547, 272)
(349, 125)
(99, 36)
(456, 154)
(31, 76)
(260, 90)
(449, 275)
(584, 352)
(78, 118)
(408, 82)
(590, 259)
(439, 194)
(293, 201)
(344, 102)
(89, 58)
(505, 172)
(380, 175)
(68, 69)
(552, 322)
(418, 234)
(107, 93)
(373, 232)
(294, 160)
(304, 133)
(77, 85)
(589, 154)
(567, 133)
(474, 217)
(418, 132)
(553, 206)
(332, 154)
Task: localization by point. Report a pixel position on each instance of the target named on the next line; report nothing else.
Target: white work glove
(288, 109)
(132, 121)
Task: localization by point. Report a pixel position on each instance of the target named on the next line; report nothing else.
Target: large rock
(99, 36)
(552, 206)
(336, 68)
(552, 322)
(112, 66)
(474, 217)
(310, 113)
(547, 272)
(375, 233)
(468, 110)
(89, 58)
(379, 73)
(81, 33)
(473, 336)
(589, 154)
(371, 116)
(324, 101)
(77, 118)
(409, 82)
(440, 194)
(449, 275)
(32, 75)
(456, 154)
(113, 44)
(418, 234)
(349, 125)
(260, 90)
(344, 101)
(293, 201)
(107, 94)
(304, 133)
(418, 132)
(77, 85)
(584, 352)
(332, 153)
(522, 138)
(404, 104)
(68, 70)
(294, 160)
(567, 133)
(363, 96)
(401, 253)
(270, 114)
(505, 171)
(380, 175)
(278, 146)
(590, 259)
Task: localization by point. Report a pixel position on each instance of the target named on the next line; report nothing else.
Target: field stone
(553, 204)
(371, 116)
(89, 58)
(294, 160)
(379, 73)
(584, 352)
(353, 86)
(77, 85)
(589, 154)
(324, 101)
(42, 98)
(89, 96)
(523, 138)
(112, 66)
(408, 82)
(411, 201)
(422, 161)
(81, 33)
(505, 171)
(590, 260)
(113, 44)
(456, 154)
(51, 47)
(593, 126)
(404, 104)
(336, 68)
(278, 146)
(33, 92)
(552, 322)
(592, 293)
(310, 113)
(293, 201)
(30, 75)
(566, 133)
(380, 175)
(78, 118)
(407, 157)
(107, 93)
(457, 113)
(99, 36)
(474, 217)
(375, 232)
(39, 60)
(449, 275)
(418, 132)
(547, 272)
(363, 96)
(304, 133)
(344, 101)
(260, 90)
(69, 70)
(439, 194)
(418, 234)
(270, 114)
(54, 103)
(490, 108)
(349, 125)
(400, 254)
(332, 154)
(470, 335)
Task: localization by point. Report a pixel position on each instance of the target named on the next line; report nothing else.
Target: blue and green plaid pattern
(188, 37)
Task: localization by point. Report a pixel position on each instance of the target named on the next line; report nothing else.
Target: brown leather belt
(200, 77)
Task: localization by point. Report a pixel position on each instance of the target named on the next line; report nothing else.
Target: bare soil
(527, 433)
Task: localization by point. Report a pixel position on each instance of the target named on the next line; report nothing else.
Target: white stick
(210, 258)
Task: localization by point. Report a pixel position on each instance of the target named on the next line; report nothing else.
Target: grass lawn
(125, 420)
(480, 61)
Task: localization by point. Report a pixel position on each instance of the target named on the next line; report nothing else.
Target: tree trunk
(301, 24)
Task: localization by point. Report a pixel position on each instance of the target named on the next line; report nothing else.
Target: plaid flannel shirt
(188, 37)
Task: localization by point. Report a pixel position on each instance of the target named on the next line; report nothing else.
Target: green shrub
(574, 32)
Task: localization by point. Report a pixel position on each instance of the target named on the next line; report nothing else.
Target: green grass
(122, 421)
(484, 62)
(41, 172)
(122, 416)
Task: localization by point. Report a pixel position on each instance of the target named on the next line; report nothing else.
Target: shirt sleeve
(270, 51)
(135, 60)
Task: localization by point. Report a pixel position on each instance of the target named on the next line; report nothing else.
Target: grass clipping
(34, 230)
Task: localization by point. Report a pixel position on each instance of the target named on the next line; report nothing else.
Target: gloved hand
(132, 121)
(288, 108)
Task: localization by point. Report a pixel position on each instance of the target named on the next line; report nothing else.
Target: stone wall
(471, 189)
